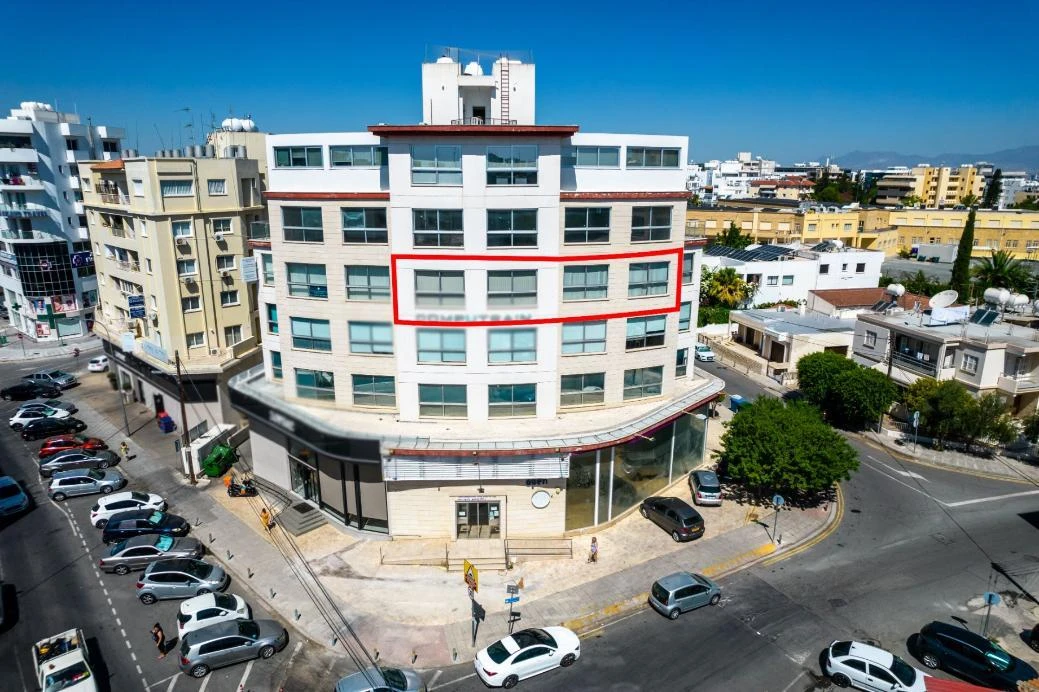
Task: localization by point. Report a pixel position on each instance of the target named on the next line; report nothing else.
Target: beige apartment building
(169, 241)
(935, 186)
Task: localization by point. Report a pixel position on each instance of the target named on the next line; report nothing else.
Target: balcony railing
(127, 265)
(483, 121)
(22, 211)
(20, 181)
(259, 230)
(26, 235)
(1018, 384)
(918, 365)
(112, 197)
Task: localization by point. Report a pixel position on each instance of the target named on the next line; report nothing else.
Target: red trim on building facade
(475, 130)
(592, 196)
(318, 196)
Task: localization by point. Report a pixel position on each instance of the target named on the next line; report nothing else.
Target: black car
(45, 427)
(674, 516)
(23, 391)
(140, 522)
(971, 656)
(77, 459)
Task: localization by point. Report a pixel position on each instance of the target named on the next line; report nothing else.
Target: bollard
(211, 538)
(335, 640)
(296, 614)
(376, 654)
(229, 555)
(198, 522)
(273, 593)
(414, 656)
(454, 654)
(249, 572)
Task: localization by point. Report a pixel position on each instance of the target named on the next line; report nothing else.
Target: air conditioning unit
(214, 351)
(182, 241)
(189, 279)
(219, 237)
(225, 273)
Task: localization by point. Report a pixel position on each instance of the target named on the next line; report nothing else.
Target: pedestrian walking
(124, 451)
(593, 552)
(265, 519)
(159, 637)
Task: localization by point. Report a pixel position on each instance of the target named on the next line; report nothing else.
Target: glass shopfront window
(580, 490)
(640, 469)
(690, 431)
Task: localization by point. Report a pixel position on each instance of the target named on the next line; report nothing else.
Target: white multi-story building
(46, 267)
(476, 326)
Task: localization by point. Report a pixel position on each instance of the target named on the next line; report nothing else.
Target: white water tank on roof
(445, 60)
(838, 243)
(997, 296)
(473, 69)
(1018, 301)
(897, 290)
(35, 106)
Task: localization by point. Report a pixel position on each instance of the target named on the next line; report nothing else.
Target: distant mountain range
(1021, 158)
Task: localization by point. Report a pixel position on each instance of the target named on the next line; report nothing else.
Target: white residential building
(474, 329)
(46, 266)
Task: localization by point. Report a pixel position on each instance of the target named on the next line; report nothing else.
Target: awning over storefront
(404, 468)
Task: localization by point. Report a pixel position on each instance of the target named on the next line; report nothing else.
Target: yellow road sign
(471, 575)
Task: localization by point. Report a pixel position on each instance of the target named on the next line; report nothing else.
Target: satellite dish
(943, 299)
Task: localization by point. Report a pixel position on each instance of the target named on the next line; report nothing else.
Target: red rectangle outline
(678, 252)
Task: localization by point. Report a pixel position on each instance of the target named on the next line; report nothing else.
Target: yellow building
(1014, 230)
(935, 186)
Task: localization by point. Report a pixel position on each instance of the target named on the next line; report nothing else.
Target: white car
(23, 416)
(123, 502)
(703, 352)
(209, 609)
(98, 364)
(868, 668)
(525, 654)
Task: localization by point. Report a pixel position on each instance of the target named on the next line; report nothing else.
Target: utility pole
(184, 439)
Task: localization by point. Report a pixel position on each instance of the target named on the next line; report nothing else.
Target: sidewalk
(27, 348)
(420, 615)
(995, 466)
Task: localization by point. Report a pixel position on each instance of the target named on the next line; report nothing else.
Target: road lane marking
(994, 498)
(901, 482)
(173, 681)
(900, 472)
(245, 675)
(794, 681)
(436, 676)
(446, 684)
(205, 683)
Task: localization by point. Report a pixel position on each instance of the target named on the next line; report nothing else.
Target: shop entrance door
(478, 519)
(304, 479)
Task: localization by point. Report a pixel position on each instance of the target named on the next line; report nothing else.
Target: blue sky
(791, 80)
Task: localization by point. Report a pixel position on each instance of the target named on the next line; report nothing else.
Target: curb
(899, 454)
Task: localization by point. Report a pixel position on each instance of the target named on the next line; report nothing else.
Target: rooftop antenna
(190, 127)
(162, 142)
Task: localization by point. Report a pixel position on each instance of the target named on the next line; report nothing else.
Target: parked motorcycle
(244, 489)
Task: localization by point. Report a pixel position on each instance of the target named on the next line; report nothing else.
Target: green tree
(732, 237)
(713, 314)
(831, 194)
(1001, 270)
(818, 373)
(986, 418)
(1030, 427)
(1027, 204)
(969, 201)
(921, 284)
(775, 446)
(912, 201)
(904, 253)
(960, 280)
(728, 289)
(942, 405)
(706, 281)
(994, 189)
(860, 396)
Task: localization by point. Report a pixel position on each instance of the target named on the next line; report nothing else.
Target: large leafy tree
(986, 418)
(775, 446)
(818, 373)
(960, 281)
(860, 396)
(994, 189)
(732, 237)
(942, 405)
(728, 289)
(1001, 270)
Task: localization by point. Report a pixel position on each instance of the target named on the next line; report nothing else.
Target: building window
(175, 188)
(276, 371)
(357, 156)
(181, 229)
(222, 226)
(511, 400)
(512, 346)
(860, 268)
(217, 187)
(512, 288)
(233, 334)
(315, 384)
(586, 225)
(441, 345)
(190, 304)
(267, 261)
(647, 279)
(597, 157)
(788, 280)
(138, 187)
(584, 337)
(306, 280)
(272, 318)
(645, 332)
(844, 267)
(870, 340)
(302, 224)
(653, 157)
(298, 157)
(371, 337)
(970, 364)
(772, 281)
(685, 317)
(438, 227)
(687, 269)
(225, 261)
(582, 390)
(587, 282)
(643, 382)
(811, 227)
(650, 223)
(364, 226)
(442, 401)
(824, 269)
(374, 390)
(367, 282)
(435, 164)
(512, 228)
(196, 339)
(311, 334)
(681, 362)
(515, 164)
(228, 298)
(187, 267)
(440, 289)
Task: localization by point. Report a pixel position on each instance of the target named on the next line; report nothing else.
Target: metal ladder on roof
(503, 90)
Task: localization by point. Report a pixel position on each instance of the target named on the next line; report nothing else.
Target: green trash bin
(219, 460)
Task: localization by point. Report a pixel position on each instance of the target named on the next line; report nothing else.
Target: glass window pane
(609, 157)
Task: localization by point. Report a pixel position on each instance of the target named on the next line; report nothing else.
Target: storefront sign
(250, 274)
(127, 341)
(282, 420)
(531, 482)
(8, 258)
(155, 351)
(540, 499)
(82, 259)
(135, 301)
(478, 498)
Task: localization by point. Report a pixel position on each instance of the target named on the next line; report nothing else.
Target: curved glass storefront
(606, 482)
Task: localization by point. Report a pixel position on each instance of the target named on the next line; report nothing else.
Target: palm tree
(729, 289)
(969, 201)
(1001, 270)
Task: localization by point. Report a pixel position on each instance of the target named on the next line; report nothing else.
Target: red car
(63, 443)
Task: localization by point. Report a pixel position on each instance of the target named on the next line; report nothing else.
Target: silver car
(77, 459)
(84, 482)
(380, 679)
(140, 551)
(179, 578)
(57, 378)
(50, 403)
(683, 591)
(227, 643)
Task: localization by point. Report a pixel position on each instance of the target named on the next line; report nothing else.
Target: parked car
(228, 643)
(704, 353)
(140, 522)
(870, 668)
(13, 498)
(140, 551)
(1033, 638)
(179, 578)
(57, 378)
(50, 403)
(376, 679)
(525, 654)
(29, 390)
(683, 591)
(46, 427)
(64, 443)
(77, 459)
(84, 482)
(210, 609)
(107, 507)
(705, 487)
(674, 516)
(98, 364)
(23, 416)
(971, 656)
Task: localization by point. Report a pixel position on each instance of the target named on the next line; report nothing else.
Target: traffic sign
(778, 500)
(991, 599)
(471, 575)
(512, 599)
(512, 588)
